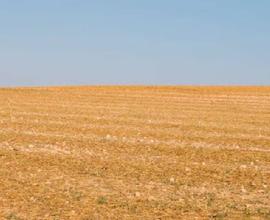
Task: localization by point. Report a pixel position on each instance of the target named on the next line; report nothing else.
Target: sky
(153, 42)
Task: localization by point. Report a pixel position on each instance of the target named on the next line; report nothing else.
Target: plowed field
(119, 152)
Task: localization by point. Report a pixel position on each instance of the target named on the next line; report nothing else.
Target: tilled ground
(135, 153)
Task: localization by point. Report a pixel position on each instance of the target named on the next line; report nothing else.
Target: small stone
(203, 163)
(253, 184)
(243, 166)
(172, 180)
(243, 190)
(137, 194)
(187, 169)
(108, 137)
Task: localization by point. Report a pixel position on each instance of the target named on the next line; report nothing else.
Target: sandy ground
(135, 153)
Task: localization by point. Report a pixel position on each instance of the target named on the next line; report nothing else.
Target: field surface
(113, 152)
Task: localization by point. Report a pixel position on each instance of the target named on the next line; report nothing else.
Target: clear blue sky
(60, 42)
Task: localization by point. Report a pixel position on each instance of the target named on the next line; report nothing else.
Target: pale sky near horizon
(71, 42)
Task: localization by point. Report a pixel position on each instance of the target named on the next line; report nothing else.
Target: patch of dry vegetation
(135, 153)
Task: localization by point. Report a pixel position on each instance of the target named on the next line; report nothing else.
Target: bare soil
(109, 152)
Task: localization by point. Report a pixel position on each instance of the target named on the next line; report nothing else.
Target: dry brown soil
(112, 152)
